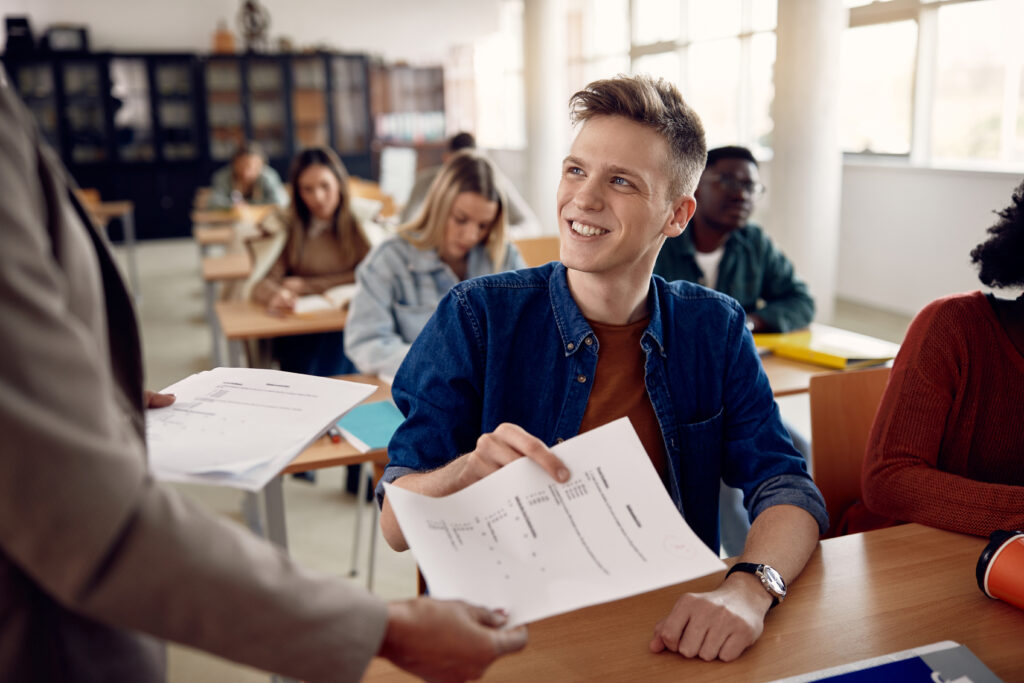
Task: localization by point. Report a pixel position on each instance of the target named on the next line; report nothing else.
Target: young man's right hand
(505, 445)
(447, 640)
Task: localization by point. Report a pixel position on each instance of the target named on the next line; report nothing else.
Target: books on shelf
(830, 347)
(370, 426)
(333, 299)
(944, 661)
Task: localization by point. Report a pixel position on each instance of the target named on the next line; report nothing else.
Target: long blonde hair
(466, 171)
(351, 238)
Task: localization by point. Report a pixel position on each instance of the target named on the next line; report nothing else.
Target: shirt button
(588, 341)
(581, 378)
(570, 346)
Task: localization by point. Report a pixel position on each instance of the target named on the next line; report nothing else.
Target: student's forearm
(783, 536)
(436, 483)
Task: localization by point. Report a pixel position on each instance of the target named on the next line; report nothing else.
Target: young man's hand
(447, 640)
(720, 624)
(505, 445)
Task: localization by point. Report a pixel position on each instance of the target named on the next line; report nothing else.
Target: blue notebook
(371, 425)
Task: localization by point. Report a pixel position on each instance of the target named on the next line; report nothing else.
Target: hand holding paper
(517, 539)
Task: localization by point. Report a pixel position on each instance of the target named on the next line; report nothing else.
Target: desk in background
(244, 320)
(860, 596)
(102, 213)
(230, 267)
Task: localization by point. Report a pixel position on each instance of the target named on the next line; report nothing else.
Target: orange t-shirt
(619, 389)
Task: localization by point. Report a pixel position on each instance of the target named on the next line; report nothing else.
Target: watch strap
(752, 568)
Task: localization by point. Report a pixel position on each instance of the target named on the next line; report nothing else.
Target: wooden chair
(537, 251)
(843, 407)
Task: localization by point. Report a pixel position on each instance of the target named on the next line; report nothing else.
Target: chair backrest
(537, 251)
(89, 196)
(843, 407)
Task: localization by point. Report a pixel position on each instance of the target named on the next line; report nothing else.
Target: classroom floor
(320, 516)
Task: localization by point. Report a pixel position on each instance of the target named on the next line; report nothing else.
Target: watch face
(773, 581)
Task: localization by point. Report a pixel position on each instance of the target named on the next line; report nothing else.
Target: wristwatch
(770, 579)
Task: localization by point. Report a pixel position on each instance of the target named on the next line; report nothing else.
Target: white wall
(906, 233)
(419, 31)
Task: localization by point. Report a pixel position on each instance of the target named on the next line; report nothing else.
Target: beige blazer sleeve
(81, 520)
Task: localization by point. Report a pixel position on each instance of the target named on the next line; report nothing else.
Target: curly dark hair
(1000, 258)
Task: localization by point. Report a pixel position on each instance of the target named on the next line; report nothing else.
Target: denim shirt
(753, 271)
(399, 286)
(516, 348)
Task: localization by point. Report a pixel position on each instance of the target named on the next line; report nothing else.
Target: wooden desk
(241, 320)
(860, 596)
(321, 454)
(236, 265)
(789, 377)
(213, 235)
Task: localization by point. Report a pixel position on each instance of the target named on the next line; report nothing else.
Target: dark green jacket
(753, 271)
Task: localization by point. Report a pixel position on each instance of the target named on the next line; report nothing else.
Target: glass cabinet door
(267, 114)
(225, 116)
(36, 87)
(83, 107)
(351, 119)
(176, 110)
(133, 118)
(309, 102)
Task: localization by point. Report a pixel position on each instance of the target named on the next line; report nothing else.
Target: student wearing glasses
(721, 249)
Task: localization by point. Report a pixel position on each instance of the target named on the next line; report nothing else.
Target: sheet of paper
(241, 426)
(519, 540)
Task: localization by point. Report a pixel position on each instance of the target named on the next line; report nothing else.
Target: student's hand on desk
(447, 640)
(294, 284)
(282, 302)
(154, 400)
(504, 445)
(720, 624)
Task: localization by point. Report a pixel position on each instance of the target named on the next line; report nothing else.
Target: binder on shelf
(827, 346)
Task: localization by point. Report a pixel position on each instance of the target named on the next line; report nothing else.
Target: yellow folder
(828, 346)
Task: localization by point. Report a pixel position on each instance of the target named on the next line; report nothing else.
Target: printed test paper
(519, 540)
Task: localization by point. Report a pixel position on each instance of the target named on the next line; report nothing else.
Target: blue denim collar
(574, 328)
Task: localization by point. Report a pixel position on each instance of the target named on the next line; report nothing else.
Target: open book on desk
(334, 299)
(945, 661)
(830, 347)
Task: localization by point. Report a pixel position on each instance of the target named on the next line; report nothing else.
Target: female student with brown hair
(325, 243)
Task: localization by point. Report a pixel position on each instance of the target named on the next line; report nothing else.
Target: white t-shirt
(708, 264)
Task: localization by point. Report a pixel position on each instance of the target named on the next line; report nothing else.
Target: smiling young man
(725, 251)
(513, 363)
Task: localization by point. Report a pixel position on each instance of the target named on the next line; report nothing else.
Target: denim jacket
(399, 286)
(515, 347)
(753, 271)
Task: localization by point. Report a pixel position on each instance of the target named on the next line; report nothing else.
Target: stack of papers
(519, 540)
(240, 427)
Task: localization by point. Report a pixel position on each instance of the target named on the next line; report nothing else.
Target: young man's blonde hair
(657, 104)
(466, 171)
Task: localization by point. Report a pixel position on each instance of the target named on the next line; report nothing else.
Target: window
(876, 87)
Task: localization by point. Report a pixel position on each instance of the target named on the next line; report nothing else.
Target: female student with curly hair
(947, 445)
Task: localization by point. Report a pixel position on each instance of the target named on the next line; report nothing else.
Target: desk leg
(235, 353)
(252, 512)
(274, 497)
(360, 497)
(210, 294)
(370, 562)
(128, 223)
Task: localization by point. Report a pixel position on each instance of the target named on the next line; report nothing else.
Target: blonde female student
(460, 233)
(325, 243)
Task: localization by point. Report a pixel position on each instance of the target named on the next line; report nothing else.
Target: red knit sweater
(947, 445)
